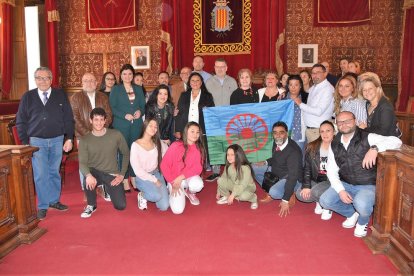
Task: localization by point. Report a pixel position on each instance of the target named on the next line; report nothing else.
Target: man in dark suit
(141, 59)
(45, 120)
(331, 78)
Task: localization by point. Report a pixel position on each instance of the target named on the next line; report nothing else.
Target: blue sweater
(44, 121)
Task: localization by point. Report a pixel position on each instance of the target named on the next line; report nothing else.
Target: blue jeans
(318, 188)
(259, 172)
(277, 191)
(46, 163)
(152, 193)
(363, 201)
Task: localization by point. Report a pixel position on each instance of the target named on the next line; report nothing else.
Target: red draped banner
(267, 19)
(337, 13)
(6, 49)
(103, 16)
(52, 20)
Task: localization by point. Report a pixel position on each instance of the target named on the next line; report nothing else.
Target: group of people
(155, 141)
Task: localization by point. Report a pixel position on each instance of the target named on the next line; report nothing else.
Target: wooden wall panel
(77, 48)
(20, 82)
(377, 45)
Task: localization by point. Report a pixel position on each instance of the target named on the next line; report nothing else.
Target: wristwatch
(374, 147)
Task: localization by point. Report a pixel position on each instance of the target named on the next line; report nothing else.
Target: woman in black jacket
(315, 181)
(196, 93)
(381, 117)
(161, 108)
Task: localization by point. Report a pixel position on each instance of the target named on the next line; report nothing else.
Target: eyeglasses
(43, 78)
(346, 122)
(89, 81)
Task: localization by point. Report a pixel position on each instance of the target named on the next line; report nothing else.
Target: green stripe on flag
(217, 146)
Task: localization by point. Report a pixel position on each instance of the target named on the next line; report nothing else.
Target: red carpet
(206, 239)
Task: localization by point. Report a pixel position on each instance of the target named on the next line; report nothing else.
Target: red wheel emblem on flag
(247, 130)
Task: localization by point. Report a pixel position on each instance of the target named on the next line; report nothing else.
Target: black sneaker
(212, 177)
(41, 214)
(58, 206)
(89, 209)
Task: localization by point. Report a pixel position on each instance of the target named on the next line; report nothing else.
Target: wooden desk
(18, 221)
(393, 221)
(406, 124)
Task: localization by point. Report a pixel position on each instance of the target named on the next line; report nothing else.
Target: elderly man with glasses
(45, 120)
(82, 104)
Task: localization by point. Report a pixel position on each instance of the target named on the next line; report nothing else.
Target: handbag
(269, 180)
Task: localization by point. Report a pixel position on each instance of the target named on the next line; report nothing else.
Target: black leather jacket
(164, 120)
(311, 169)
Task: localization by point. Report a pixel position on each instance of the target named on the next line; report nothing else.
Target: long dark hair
(203, 87)
(124, 68)
(298, 78)
(240, 160)
(154, 95)
(199, 143)
(314, 146)
(155, 139)
(102, 87)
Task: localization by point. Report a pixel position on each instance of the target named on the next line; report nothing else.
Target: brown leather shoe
(266, 199)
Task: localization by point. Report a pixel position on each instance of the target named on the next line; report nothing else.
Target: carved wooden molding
(408, 4)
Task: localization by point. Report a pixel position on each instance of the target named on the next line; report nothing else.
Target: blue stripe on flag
(217, 118)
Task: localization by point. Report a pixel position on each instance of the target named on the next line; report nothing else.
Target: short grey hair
(44, 69)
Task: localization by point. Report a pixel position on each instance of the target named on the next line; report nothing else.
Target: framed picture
(141, 57)
(307, 55)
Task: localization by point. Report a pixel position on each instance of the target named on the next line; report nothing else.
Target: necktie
(45, 98)
(277, 148)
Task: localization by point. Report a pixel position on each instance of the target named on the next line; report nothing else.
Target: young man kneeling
(98, 152)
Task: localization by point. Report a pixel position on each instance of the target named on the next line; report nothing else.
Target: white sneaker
(222, 200)
(318, 209)
(89, 209)
(351, 221)
(361, 230)
(326, 214)
(107, 197)
(254, 205)
(192, 197)
(142, 202)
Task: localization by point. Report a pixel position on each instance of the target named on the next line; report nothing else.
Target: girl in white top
(146, 154)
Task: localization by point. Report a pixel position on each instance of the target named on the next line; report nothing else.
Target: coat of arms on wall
(221, 17)
(222, 27)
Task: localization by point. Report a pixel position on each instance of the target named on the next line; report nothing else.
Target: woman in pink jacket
(182, 166)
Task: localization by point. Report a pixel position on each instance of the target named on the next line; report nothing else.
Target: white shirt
(91, 99)
(193, 115)
(382, 142)
(320, 104)
(41, 96)
(283, 146)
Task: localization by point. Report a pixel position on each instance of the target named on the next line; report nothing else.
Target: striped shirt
(357, 107)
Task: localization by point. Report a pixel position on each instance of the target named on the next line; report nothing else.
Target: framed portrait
(141, 57)
(307, 55)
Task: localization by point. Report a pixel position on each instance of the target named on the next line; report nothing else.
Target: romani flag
(249, 125)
